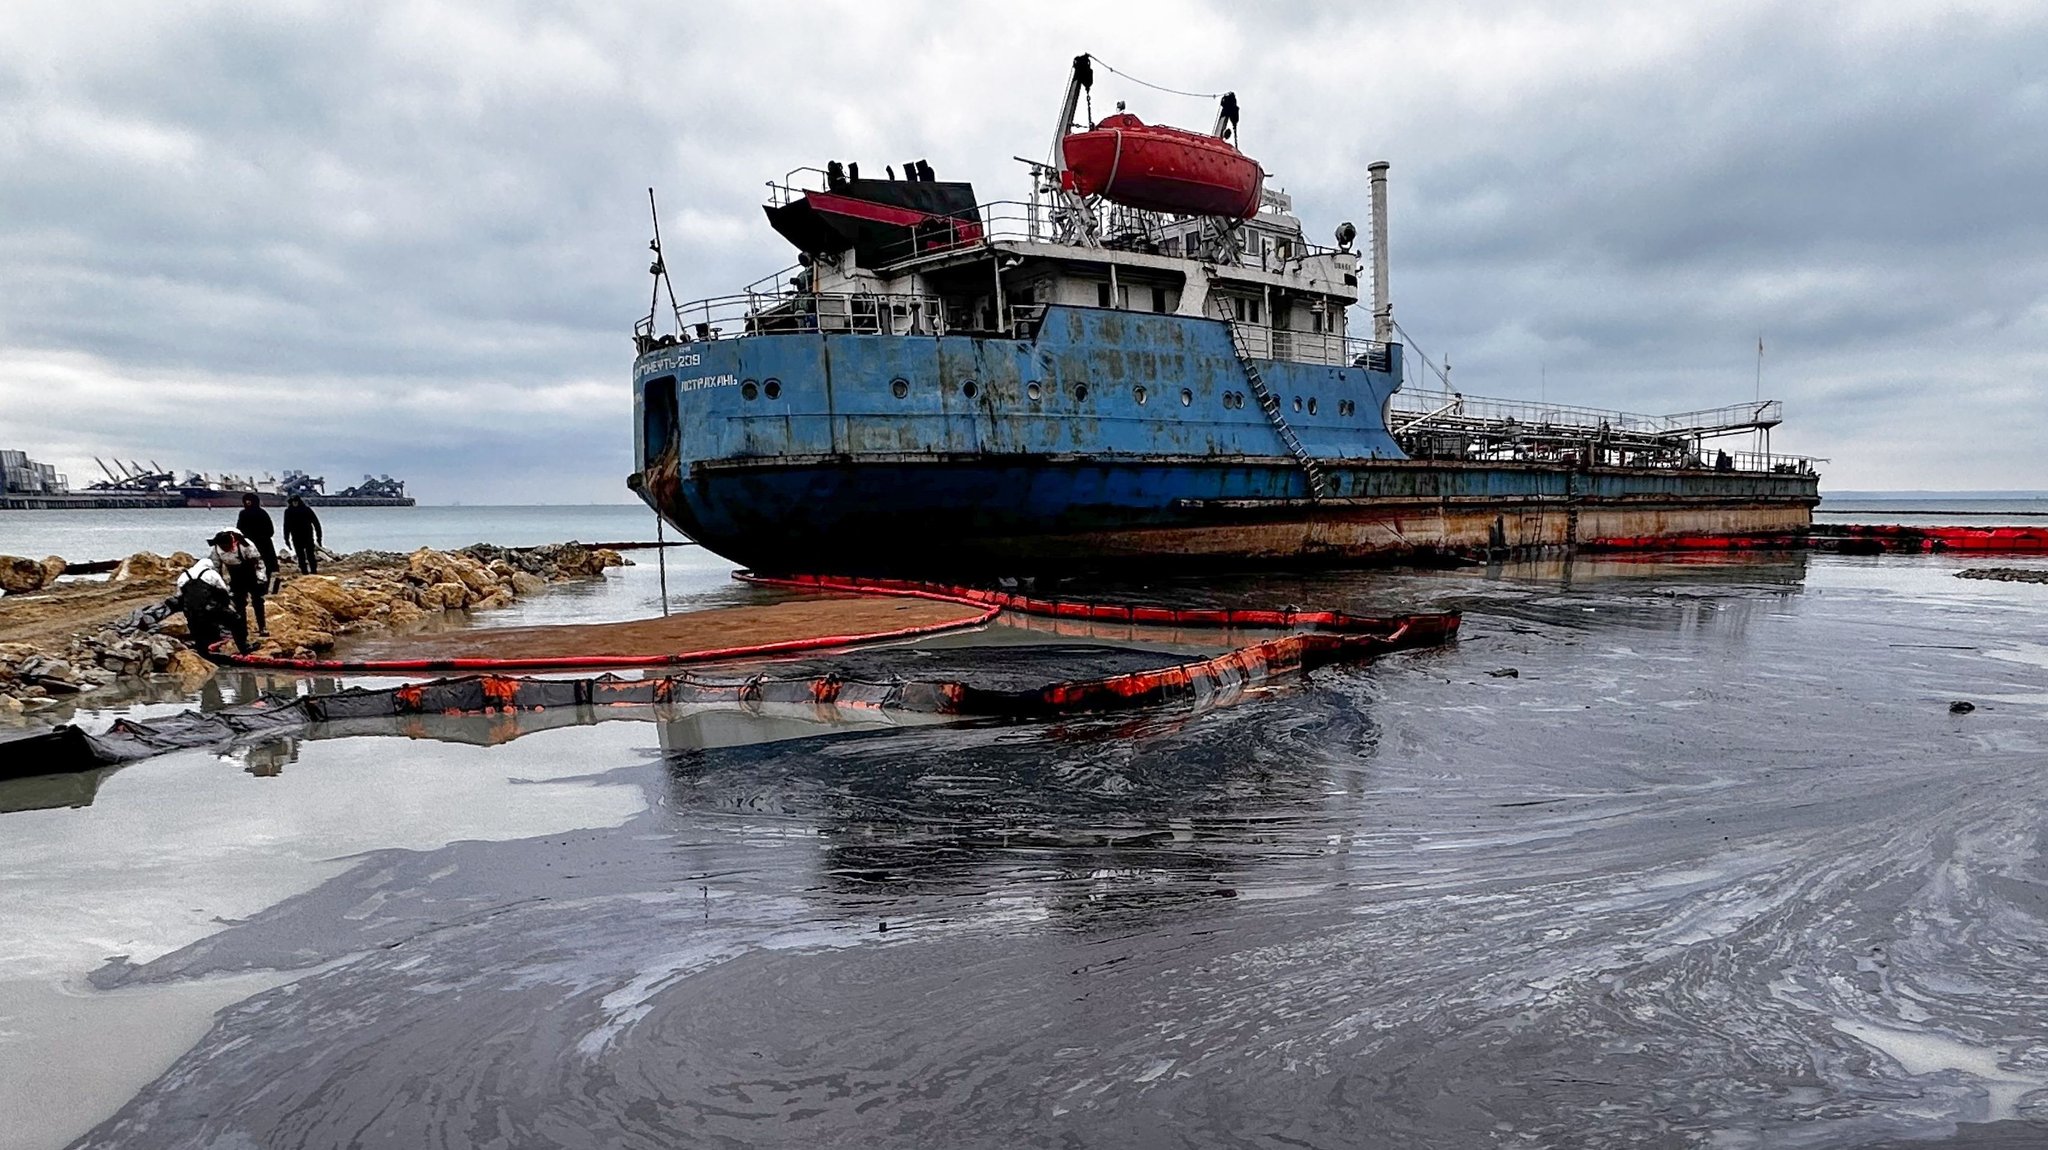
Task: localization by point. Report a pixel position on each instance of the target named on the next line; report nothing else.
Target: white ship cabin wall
(1287, 297)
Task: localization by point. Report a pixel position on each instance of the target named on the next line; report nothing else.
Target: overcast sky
(411, 238)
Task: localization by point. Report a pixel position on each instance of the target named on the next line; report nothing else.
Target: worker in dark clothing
(244, 566)
(209, 613)
(257, 527)
(302, 531)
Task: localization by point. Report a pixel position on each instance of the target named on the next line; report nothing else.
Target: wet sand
(1715, 867)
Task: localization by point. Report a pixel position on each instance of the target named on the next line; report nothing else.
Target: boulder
(450, 596)
(340, 601)
(47, 670)
(575, 561)
(19, 576)
(10, 706)
(296, 624)
(53, 566)
(188, 664)
(313, 643)
(431, 567)
(493, 601)
(148, 567)
(524, 584)
(475, 576)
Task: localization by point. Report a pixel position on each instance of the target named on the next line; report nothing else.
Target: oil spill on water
(1715, 867)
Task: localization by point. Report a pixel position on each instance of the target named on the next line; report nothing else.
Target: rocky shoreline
(61, 640)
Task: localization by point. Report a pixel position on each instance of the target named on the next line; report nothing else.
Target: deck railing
(861, 313)
(759, 313)
(1448, 406)
(1440, 425)
(1775, 464)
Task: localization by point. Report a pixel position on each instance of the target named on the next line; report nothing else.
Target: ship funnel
(1382, 303)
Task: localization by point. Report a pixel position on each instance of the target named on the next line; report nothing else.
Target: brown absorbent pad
(807, 618)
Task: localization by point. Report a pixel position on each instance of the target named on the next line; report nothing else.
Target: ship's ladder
(1270, 403)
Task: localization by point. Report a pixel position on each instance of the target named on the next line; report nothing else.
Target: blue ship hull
(1111, 438)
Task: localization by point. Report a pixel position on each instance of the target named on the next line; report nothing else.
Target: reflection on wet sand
(1145, 809)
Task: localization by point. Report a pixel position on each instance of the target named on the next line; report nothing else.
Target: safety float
(1161, 169)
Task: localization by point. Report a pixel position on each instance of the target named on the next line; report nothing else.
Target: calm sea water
(1964, 509)
(90, 535)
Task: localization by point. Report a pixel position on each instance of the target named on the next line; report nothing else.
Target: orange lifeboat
(1127, 161)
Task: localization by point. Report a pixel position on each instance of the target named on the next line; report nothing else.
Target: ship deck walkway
(1449, 424)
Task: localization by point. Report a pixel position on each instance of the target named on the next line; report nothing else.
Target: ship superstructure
(1148, 361)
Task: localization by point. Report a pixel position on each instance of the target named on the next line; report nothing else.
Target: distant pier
(113, 500)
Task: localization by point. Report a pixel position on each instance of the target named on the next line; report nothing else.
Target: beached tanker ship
(1147, 364)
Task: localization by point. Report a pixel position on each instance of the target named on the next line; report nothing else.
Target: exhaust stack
(1382, 303)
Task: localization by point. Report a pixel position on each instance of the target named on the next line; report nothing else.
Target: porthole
(749, 389)
(1032, 391)
(968, 389)
(772, 389)
(1311, 405)
(1297, 403)
(1187, 397)
(1080, 392)
(1138, 393)
(899, 387)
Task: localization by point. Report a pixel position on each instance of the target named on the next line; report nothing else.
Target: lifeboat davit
(1127, 161)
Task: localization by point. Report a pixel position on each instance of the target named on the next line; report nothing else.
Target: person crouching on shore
(246, 575)
(203, 596)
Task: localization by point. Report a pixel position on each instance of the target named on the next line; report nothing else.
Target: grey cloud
(235, 215)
